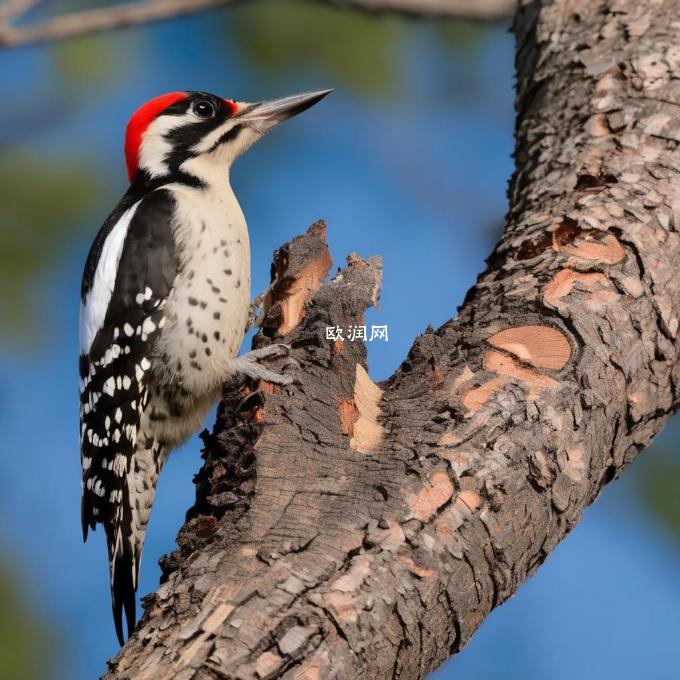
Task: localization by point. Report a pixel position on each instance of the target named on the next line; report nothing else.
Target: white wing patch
(93, 310)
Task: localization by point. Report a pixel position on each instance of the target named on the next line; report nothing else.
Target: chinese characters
(353, 333)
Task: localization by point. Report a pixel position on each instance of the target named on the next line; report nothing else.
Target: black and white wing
(128, 277)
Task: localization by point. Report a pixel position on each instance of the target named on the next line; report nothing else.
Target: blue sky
(418, 177)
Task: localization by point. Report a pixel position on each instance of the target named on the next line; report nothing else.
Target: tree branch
(88, 22)
(13, 9)
(477, 10)
(345, 529)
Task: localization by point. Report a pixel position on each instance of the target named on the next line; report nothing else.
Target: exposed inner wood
(367, 431)
(540, 346)
(509, 368)
(593, 246)
(470, 498)
(476, 397)
(291, 291)
(432, 496)
(564, 281)
(348, 416)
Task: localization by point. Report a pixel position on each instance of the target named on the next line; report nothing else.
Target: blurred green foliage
(348, 47)
(43, 204)
(659, 481)
(27, 650)
(284, 37)
(461, 35)
(88, 61)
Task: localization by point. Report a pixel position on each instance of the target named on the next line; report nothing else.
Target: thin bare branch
(11, 9)
(478, 10)
(88, 22)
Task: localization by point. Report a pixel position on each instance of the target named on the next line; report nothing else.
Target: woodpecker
(165, 301)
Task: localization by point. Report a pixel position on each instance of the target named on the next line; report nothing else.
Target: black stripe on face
(184, 138)
(229, 136)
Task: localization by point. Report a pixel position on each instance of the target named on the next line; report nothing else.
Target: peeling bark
(306, 556)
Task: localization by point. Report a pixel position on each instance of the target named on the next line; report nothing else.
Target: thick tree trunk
(344, 529)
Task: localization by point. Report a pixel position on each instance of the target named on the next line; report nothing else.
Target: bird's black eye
(203, 109)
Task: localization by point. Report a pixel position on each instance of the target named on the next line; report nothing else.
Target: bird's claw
(273, 351)
(249, 365)
(256, 313)
(250, 401)
(290, 363)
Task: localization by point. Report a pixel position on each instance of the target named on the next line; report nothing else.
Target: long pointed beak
(270, 113)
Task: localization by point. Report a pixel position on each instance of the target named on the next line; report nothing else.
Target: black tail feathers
(123, 570)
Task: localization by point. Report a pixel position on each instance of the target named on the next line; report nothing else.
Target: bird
(164, 306)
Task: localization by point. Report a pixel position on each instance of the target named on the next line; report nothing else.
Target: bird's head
(199, 134)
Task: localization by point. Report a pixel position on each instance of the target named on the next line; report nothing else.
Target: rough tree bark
(344, 529)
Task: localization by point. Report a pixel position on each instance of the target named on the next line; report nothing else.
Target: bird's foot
(249, 364)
